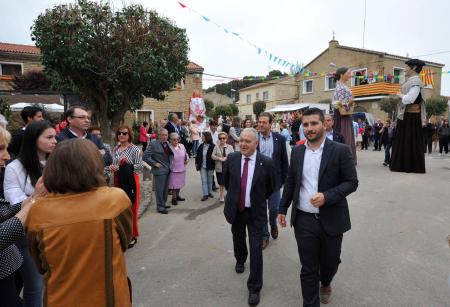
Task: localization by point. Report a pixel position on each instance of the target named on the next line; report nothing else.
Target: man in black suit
(321, 174)
(272, 145)
(173, 124)
(249, 179)
(332, 134)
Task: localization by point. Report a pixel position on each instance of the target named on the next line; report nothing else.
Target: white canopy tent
(298, 106)
(52, 107)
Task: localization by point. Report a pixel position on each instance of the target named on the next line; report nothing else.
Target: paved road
(395, 255)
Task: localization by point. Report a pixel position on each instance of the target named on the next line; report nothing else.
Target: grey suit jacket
(155, 154)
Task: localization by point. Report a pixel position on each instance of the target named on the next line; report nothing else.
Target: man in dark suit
(321, 174)
(272, 145)
(332, 134)
(158, 156)
(173, 124)
(249, 179)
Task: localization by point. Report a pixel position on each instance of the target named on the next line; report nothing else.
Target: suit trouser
(161, 189)
(273, 203)
(319, 256)
(244, 219)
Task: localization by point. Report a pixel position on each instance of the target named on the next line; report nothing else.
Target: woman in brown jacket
(78, 233)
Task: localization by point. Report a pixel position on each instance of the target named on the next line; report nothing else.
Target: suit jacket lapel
(275, 144)
(325, 156)
(301, 158)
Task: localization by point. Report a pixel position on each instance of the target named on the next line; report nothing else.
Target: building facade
(176, 101)
(273, 92)
(218, 99)
(374, 75)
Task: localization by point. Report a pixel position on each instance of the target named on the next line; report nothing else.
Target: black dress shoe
(240, 268)
(274, 231)
(174, 202)
(210, 196)
(163, 211)
(168, 206)
(253, 298)
(204, 198)
(180, 198)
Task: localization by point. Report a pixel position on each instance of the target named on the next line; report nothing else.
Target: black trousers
(9, 297)
(443, 144)
(255, 237)
(428, 141)
(377, 142)
(319, 256)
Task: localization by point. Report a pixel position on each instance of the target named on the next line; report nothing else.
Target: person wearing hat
(407, 146)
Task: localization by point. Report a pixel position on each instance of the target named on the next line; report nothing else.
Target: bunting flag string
(294, 68)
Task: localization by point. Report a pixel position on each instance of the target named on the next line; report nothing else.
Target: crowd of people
(66, 193)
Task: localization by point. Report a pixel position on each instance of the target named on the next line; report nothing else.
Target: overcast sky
(295, 30)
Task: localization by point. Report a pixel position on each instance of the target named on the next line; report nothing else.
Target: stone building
(176, 100)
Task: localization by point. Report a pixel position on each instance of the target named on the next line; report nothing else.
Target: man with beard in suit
(321, 175)
(249, 179)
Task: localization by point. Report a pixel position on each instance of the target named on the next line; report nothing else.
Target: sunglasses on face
(222, 138)
(122, 133)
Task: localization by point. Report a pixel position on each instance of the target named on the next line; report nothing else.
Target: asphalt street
(396, 253)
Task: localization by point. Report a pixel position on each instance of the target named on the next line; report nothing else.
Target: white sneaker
(448, 155)
(441, 154)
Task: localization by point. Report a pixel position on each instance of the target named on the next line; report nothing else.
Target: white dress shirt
(310, 178)
(251, 170)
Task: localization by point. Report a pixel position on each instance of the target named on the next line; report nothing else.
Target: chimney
(333, 43)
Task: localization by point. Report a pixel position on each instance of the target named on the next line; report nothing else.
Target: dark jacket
(280, 158)
(385, 138)
(170, 128)
(11, 231)
(338, 137)
(443, 131)
(210, 163)
(66, 134)
(337, 179)
(263, 185)
(16, 142)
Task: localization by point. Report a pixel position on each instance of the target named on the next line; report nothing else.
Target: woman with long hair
(21, 176)
(127, 164)
(78, 233)
(12, 229)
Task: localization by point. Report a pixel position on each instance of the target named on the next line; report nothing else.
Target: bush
(223, 111)
(259, 107)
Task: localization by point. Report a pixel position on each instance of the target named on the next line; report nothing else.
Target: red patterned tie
(243, 185)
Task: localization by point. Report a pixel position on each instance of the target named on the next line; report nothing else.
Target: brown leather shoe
(325, 294)
(265, 244)
(274, 231)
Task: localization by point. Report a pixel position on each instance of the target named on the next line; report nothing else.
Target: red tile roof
(193, 67)
(6, 47)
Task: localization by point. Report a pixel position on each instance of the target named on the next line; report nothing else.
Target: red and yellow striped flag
(426, 75)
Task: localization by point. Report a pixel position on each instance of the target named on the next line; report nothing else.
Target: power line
(434, 53)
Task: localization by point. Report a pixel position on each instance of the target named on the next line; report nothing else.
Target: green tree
(5, 110)
(389, 105)
(112, 59)
(234, 109)
(223, 111)
(259, 107)
(209, 106)
(436, 106)
(33, 80)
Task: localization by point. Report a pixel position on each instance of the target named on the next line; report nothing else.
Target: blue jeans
(273, 203)
(387, 153)
(195, 147)
(207, 180)
(32, 279)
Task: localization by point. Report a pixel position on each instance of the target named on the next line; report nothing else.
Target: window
(257, 96)
(307, 86)
(330, 83)
(265, 95)
(399, 75)
(249, 98)
(359, 76)
(10, 69)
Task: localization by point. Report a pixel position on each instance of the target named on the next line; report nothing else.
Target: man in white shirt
(249, 179)
(321, 174)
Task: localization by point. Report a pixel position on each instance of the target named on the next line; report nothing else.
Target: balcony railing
(379, 88)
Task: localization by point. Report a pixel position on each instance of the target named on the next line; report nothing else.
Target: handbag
(346, 108)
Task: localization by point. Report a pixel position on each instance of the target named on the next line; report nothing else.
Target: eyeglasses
(122, 133)
(174, 139)
(84, 117)
(222, 138)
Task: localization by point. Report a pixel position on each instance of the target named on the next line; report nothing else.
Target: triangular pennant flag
(279, 61)
(259, 50)
(226, 31)
(234, 33)
(181, 4)
(275, 59)
(206, 18)
(270, 57)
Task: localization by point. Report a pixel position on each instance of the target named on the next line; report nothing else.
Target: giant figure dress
(407, 146)
(344, 123)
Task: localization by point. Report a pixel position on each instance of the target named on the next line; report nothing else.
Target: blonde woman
(219, 155)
